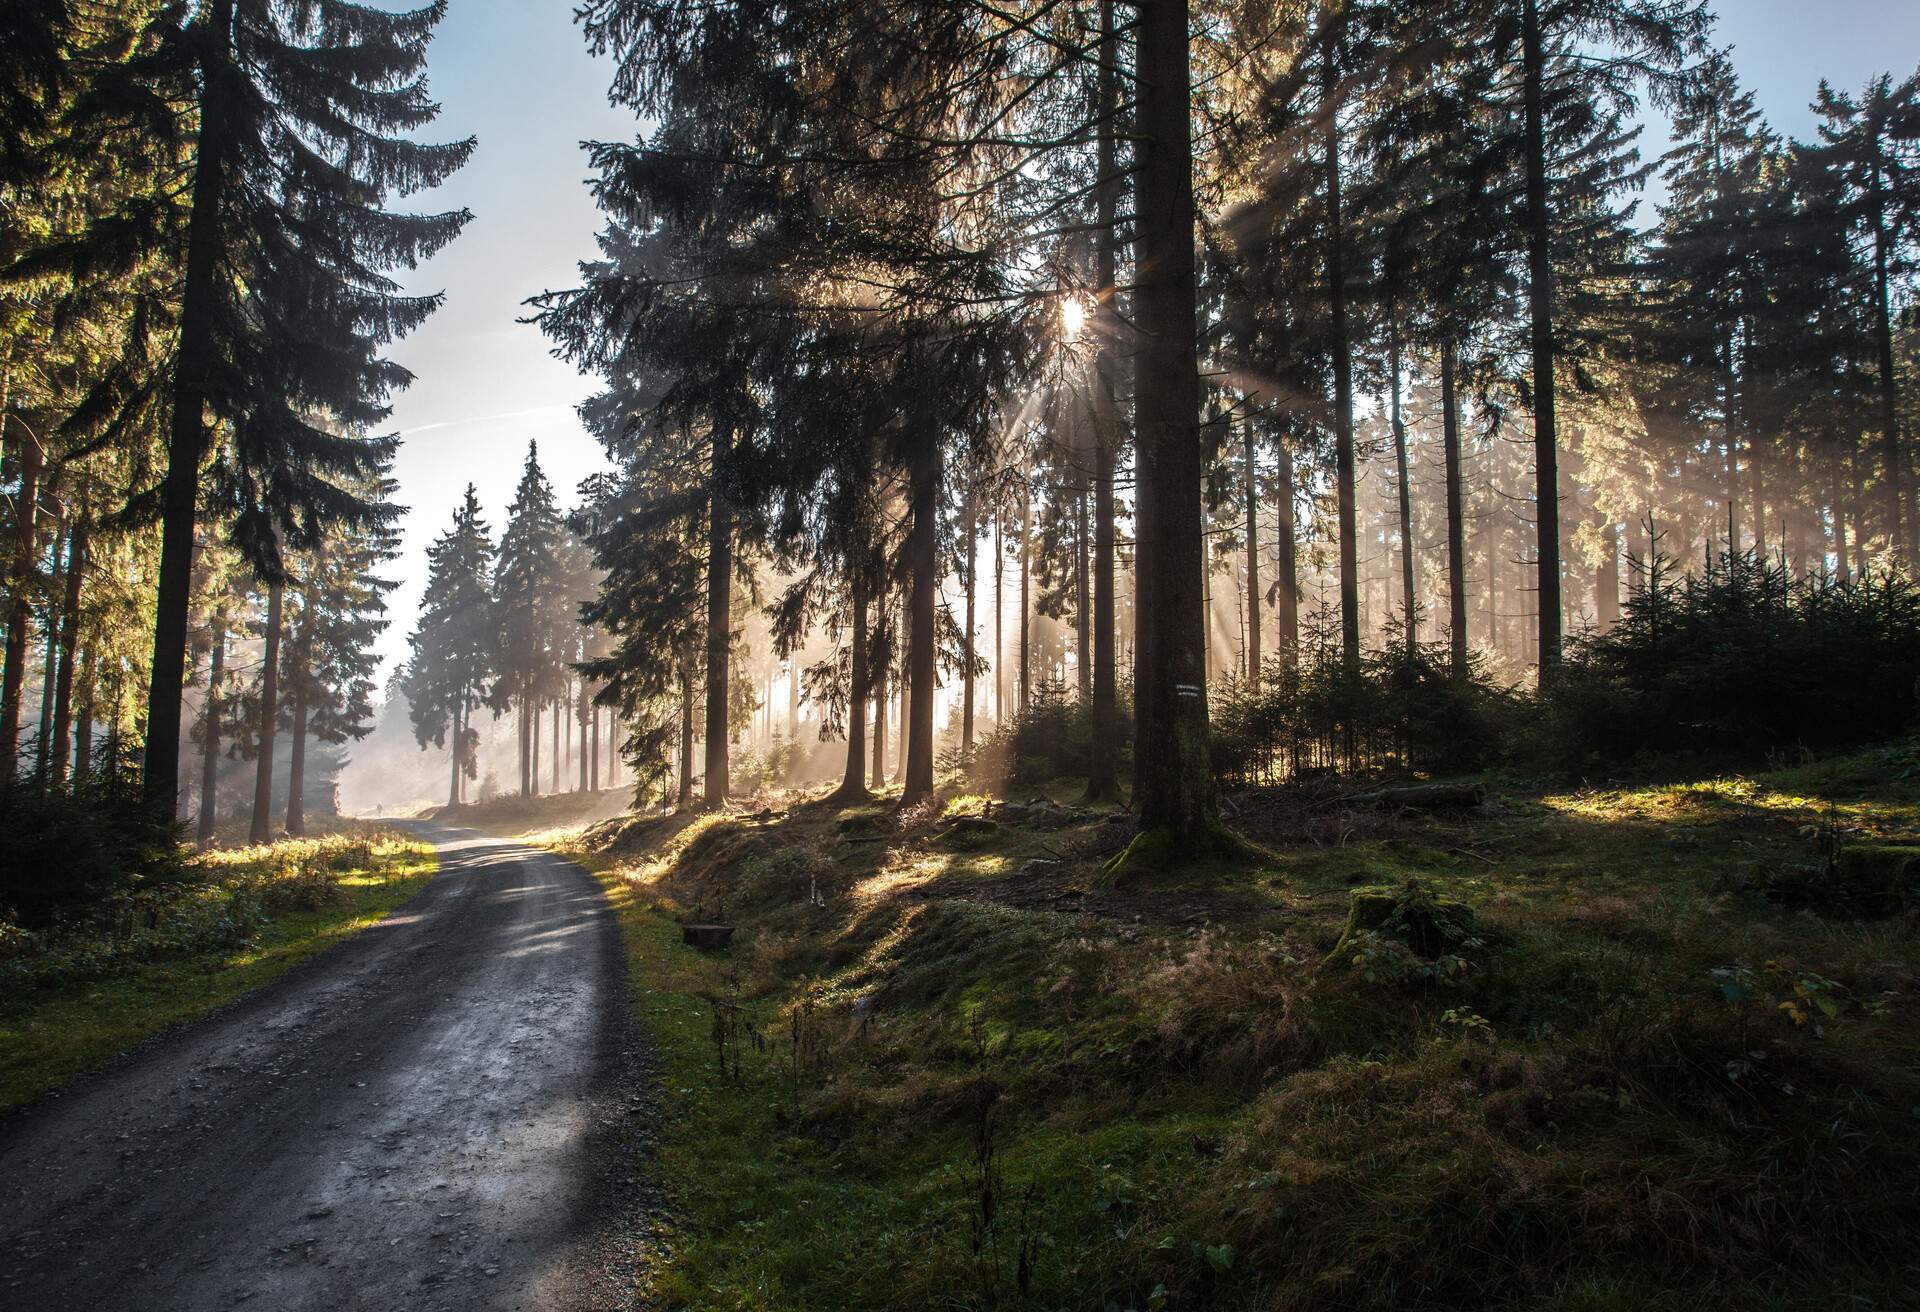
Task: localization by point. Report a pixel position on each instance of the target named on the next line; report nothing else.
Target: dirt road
(438, 1114)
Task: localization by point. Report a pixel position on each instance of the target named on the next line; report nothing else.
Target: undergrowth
(1578, 1056)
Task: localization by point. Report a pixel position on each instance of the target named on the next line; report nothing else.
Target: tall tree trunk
(1456, 513)
(69, 640)
(683, 797)
(1546, 454)
(1409, 601)
(533, 754)
(1083, 600)
(297, 765)
(880, 691)
(559, 773)
(719, 616)
(50, 662)
(526, 747)
(1287, 586)
(852, 782)
(970, 562)
(83, 753)
(1023, 693)
(1342, 367)
(1103, 782)
(200, 308)
(593, 750)
(999, 619)
(1253, 557)
(1175, 789)
(923, 562)
(587, 756)
(262, 828)
(210, 733)
(1838, 506)
(19, 606)
(453, 756)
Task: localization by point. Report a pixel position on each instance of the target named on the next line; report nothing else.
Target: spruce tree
(529, 610)
(452, 649)
(302, 107)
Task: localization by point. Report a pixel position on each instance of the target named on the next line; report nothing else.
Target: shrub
(72, 845)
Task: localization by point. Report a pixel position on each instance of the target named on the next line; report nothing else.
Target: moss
(1412, 913)
(1163, 850)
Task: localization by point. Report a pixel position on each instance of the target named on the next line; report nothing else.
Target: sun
(1073, 315)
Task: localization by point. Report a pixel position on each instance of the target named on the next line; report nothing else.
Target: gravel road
(439, 1113)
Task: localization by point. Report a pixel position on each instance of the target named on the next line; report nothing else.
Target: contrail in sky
(486, 419)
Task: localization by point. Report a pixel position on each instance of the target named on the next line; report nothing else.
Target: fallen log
(1422, 797)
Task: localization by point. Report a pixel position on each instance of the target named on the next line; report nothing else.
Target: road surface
(446, 1111)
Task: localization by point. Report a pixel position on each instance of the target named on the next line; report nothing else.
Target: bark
(593, 749)
(453, 783)
(1606, 583)
(262, 828)
(923, 560)
(83, 752)
(719, 617)
(852, 788)
(50, 662)
(19, 607)
(210, 734)
(1456, 514)
(684, 795)
(1342, 370)
(999, 622)
(187, 434)
(969, 534)
(880, 695)
(1540, 299)
(69, 645)
(1408, 600)
(1023, 691)
(1287, 585)
(1103, 782)
(1174, 791)
(297, 765)
(1253, 558)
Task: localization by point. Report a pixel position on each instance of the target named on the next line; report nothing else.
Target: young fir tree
(301, 110)
(453, 646)
(530, 611)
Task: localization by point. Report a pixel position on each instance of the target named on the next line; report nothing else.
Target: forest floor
(1667, 1055)
(74, 996)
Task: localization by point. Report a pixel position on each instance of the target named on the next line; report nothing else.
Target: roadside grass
(75, 995)
(948, 1065)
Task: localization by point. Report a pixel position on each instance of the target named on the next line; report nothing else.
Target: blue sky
(516, 74)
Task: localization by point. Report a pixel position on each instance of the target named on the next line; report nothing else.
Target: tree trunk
(19, 607)
(1103, 782)
(43, 737)
(69, 640)
(1456, 514)
(1540, 298)
(852, 786)
(200, 307)
(1175, 791)
(1889, 386)
(453, 783)
(526, 747)
(210, 733)
(923, 561)
(683, 796)
(83, 753)
(1342, 371)
(719, 617)
(1287, 586)
(593, 749)
(297, 765)
(262, 828)
(533, 751)
(999, 621)
(1023, 691)
(1606, 582)
(969, 535)
(880, 692)
(559, 773)
(1408, 600)
(1253, 557)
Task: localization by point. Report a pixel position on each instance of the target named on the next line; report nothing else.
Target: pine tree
(285, 301)
(529, 610)
(453, 645)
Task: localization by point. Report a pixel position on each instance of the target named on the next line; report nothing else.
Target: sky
(516, 75)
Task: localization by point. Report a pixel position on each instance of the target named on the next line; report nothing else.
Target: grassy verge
(78, 995)
(947, 1064)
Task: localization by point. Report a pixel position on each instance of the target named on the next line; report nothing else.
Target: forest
(1218, 654)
